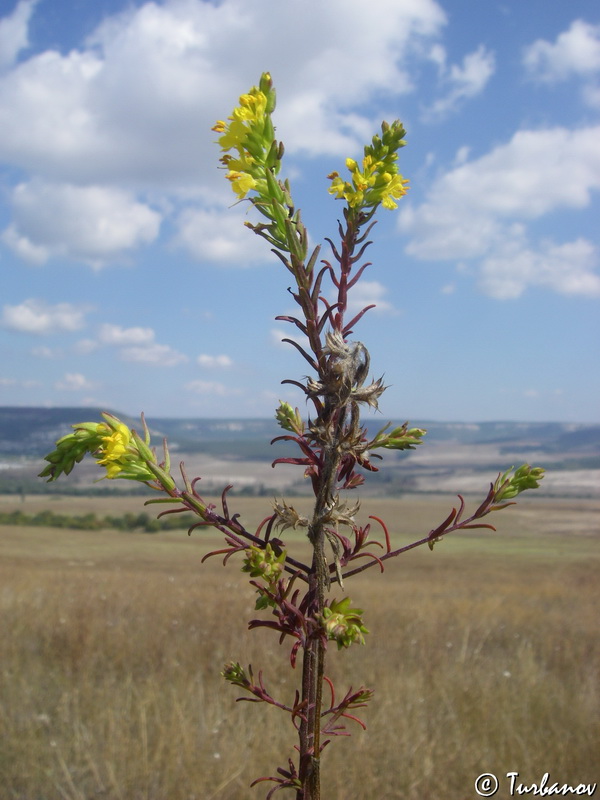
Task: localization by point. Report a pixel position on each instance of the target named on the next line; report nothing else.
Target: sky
(129, 281)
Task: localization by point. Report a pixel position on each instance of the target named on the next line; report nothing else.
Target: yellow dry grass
(484, 657)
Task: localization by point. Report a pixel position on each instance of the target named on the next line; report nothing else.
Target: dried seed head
(370, 394)
(288, 517)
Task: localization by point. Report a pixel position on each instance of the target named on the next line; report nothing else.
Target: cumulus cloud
(135, 345)
(214, 236)
(160, 355)
(535, 173)
(208, 388)
(574, 53)
(481, 207)
(367, 293)
(567, 269)
(461, 82)
(85, 346)
(45, 352)
(93, 224)
(125, 106)
(133, 107)
(73, 382)
(210, 362)
(14, 32)
(278, 335)
(116, 335)
(22, 384)
(39, 317)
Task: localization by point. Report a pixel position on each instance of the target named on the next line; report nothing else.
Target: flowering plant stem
(334, 447)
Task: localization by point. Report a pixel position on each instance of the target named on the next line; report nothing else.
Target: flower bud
(266, 87)
(343, 624)
(525, 477)
(401, 438)
(289, 419)
(264, 563)
(235, 673)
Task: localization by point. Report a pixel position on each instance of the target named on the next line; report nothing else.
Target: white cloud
(23, 247)
(136, 345)
(37, 316)
(220, 236)
(133, 107)
(93, 224)
(116, 335)
(575, 53)
(14, 32)
(566, 269)
(208, 387)
(366, 293)
(85, 346)
(125, 106)
(161, 355)
(463, 82)
(591, 95)
(210, 362)
(46, 352)
(73, 382)
(482, 207)
(278, 335)
(22, 384)
(535, 173)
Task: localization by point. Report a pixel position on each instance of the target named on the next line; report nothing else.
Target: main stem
(313, 664)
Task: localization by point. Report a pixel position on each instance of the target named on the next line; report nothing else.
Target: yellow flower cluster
(377, 183)
(377, 180)
(114, 448)
(254, 164)
(249, 131)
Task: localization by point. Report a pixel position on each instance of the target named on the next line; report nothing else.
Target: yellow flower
(338, 187)
(396, 187)
(243, 164)
(244, 119)
(362, 180)
(234, 135)
(114, 448)
(354, 198)
(252, 106)
(249, 132)
(241, 183)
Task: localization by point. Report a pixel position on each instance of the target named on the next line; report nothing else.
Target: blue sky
(127, 279)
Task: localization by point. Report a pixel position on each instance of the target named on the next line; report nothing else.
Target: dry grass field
(484, 656)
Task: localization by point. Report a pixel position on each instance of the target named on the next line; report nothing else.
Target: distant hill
(455, 456)
(32, 431)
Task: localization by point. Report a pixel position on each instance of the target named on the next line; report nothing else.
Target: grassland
(484, 657)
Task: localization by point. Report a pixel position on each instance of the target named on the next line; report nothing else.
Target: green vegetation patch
(91, 522)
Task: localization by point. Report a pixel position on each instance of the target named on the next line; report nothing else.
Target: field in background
(484, 657)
